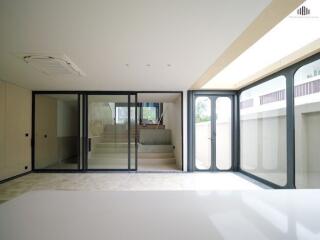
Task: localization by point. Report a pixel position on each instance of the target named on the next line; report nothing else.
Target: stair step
(109, 150)
(148, 155)
(123, 160)
(112, 145)
(159, 161)
(155, 148)
(110, 157)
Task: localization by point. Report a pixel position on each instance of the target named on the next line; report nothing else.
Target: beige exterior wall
(15, 123)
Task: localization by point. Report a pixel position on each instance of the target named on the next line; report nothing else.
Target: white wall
(100, 115)
(203, 145)
(67, 120)
(307, 117)
(263, 147)
(172, 121)
(185, 131)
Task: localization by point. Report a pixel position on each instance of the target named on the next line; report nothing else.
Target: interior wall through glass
(56, 129)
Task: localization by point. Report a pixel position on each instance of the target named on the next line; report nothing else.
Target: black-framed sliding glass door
(212, 131)
(57, 124)
(111, 132)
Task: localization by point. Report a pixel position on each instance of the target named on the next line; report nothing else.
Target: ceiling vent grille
(53, 66)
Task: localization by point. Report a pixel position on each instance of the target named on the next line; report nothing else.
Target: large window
(150, 113)
(263, 131)
(307, 125)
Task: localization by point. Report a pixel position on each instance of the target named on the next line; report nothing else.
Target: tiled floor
(157, 215)
(125, 181)
(145, 165)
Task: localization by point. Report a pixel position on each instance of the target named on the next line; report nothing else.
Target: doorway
(160, 131)
(212, 131)
(56, 131)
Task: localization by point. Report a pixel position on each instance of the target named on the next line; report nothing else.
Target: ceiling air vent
(53, 66)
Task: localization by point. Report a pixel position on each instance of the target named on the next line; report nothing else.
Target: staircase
(155, 150)
(110, 151)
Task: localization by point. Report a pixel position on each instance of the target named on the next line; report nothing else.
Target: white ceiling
(102, 36)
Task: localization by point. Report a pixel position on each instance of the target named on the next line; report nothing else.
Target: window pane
(223, 133)
(121, 115)
(150, 114)
(307, 125)
(263, 130)
(203, 133)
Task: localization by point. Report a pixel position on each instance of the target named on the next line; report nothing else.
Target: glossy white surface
(261, 214)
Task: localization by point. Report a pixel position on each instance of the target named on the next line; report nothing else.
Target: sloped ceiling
(120, 44)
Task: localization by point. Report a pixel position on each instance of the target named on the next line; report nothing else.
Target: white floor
(165, 215)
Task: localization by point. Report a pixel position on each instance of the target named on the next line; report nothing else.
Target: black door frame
(80, 147)
(83, 133)
(213, 95)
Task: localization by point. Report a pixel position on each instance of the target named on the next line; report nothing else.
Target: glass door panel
(133, 132)
(57, 132)
(108, 132)
(223, 133)
(203, 133)
(213, 133)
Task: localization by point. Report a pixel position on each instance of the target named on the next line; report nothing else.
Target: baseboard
(14, 177)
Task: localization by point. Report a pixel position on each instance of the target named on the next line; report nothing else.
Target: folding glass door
(213, 132)
(111, 132)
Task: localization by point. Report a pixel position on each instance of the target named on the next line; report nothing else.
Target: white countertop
(185, 215)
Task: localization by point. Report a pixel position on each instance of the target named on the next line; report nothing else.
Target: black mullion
(129, 133)
(290, 129)
(85, 132)
(136, 133)
(79, 132)
(213, 133)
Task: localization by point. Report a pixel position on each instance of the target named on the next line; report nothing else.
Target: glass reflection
(263, 130)
(307, 125)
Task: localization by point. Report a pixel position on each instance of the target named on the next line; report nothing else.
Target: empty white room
(168, 119)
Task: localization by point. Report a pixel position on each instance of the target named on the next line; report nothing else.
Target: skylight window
(297, 30)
